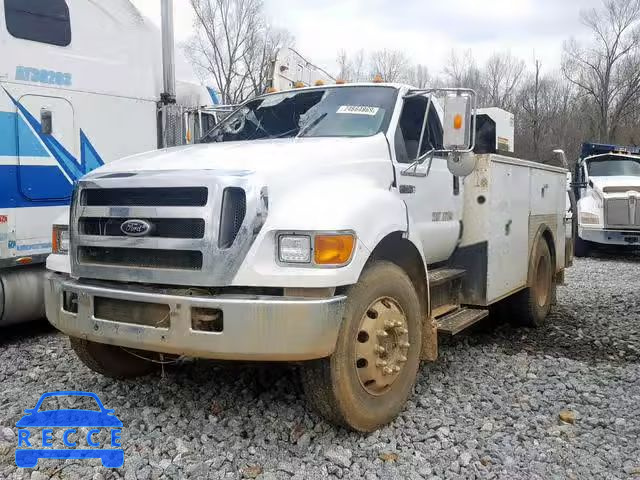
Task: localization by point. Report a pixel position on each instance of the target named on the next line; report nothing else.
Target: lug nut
(379, 349)
(402, 331)
(402, 359)
(387, 370)
(404, 345)
(389, 324)
(396, 369)
(398, 323)
(381, 363)
(382, 334)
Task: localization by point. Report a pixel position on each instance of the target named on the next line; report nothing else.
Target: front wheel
(367, 380)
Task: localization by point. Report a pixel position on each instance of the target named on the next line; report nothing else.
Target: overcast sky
(427, 30)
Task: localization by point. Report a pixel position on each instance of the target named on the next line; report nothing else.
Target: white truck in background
(81, 84)
(606, 183)
(342, 227)
(289, 70)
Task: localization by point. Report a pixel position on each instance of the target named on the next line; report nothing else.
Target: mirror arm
(431, 154)
(424, 125)
(417, 162)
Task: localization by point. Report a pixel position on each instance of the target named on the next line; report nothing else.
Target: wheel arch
(395, 247)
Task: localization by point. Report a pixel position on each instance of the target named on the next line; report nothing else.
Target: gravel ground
(488, 409)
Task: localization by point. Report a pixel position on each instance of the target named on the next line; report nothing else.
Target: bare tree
(419, 76)
(344, 65)
(608, 69)
(461, 71)
(391, 65)
(358, 67)
(545, 115)
(233, 45)
(258, 60)
(501, 78)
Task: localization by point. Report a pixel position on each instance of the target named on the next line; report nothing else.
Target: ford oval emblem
(136, 228)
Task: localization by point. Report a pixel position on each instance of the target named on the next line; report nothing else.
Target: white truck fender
(353, 203)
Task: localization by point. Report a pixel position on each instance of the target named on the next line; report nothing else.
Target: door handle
(407, 189)
(46, 121)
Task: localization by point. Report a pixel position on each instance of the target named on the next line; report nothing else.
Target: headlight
(329, 249)
(60, 239)
(589, 218)
(294, 249)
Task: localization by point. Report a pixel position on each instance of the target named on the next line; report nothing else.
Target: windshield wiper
(312, 124)
(283, 134)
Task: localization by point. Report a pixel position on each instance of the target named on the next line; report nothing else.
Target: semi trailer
(81, 84)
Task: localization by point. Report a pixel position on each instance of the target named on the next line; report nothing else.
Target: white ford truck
(607, 188)
(341, 227)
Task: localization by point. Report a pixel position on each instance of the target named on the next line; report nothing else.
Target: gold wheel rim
(543, 281)
(381, 345)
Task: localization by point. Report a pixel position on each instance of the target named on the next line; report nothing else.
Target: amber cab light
(333, 249)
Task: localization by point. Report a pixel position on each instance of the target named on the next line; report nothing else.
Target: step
(457, 321)
(440, 276)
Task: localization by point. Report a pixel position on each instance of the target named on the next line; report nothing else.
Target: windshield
(328, 112)
(614, 166)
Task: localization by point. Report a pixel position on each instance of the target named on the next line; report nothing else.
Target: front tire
(531, 306)
(367, 380)
(113, 361)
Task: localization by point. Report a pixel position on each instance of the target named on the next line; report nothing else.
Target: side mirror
(458, 122)
(559, 153)
(461, 164)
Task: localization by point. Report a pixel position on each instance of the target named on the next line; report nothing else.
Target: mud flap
(429, 340)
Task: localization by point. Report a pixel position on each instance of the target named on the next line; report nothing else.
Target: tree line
(593, 96)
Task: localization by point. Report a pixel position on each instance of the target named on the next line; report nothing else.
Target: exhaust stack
(168, 54)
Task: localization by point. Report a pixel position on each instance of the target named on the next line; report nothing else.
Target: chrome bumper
(255, 327)
(610, 237)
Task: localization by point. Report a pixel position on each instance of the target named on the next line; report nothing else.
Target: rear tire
(531, 306)
(112, 361)
(362, 386)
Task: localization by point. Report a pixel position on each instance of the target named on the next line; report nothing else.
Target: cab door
(432, 194)
(47, 147)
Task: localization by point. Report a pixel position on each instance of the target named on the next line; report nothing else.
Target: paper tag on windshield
(358, 110)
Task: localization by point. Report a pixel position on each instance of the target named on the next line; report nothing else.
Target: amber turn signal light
(333, 249)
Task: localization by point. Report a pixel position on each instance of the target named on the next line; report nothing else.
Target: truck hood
(259, 156)
(617, 184)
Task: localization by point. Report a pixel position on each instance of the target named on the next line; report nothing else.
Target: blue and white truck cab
(80, 86)
(607, 187)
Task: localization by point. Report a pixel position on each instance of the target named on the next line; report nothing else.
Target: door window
(44, 21)
(407, 137)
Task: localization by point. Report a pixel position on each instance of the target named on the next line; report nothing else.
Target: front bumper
(610, 237)
(254, 327)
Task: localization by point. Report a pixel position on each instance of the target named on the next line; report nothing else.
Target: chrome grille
(161, 227)
(622, 212)
(141, 257)
(145, 197)
(201, 226)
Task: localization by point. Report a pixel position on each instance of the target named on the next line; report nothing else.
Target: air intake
(234, 208)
